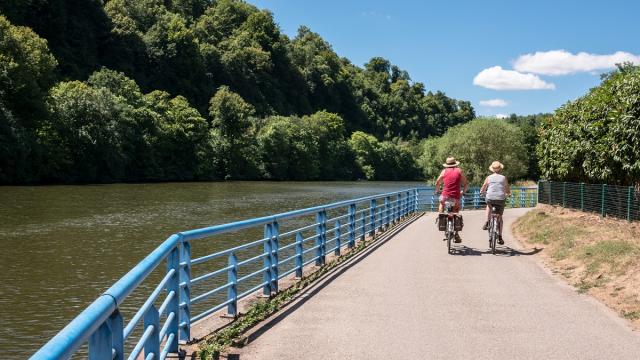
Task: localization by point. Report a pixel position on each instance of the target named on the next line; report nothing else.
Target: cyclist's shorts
(499, 205)
(456, 202)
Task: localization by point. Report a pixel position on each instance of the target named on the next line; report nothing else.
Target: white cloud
(499, 79)
(562, 62)
(494, 103)
(501, 116)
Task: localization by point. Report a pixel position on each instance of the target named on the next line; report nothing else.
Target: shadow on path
(501, 250)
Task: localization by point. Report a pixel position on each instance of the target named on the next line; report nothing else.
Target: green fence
(607, 200)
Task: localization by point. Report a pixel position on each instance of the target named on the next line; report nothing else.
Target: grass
(618, 255)
(631, 315)
(597, 256)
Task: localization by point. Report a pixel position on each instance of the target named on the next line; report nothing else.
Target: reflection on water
(61, 246)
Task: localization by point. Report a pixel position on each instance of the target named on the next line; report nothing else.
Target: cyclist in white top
(496, 189)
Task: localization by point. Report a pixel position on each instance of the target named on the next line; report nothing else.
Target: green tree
(182, 138)
(26, 72)
(365, 148)
(476, 144)
(595, 138)
(335, 158)
(174, 52)
(84, 134)
(289, 149)
(232, 135)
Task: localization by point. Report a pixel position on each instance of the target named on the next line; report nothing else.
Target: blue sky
(448, 44)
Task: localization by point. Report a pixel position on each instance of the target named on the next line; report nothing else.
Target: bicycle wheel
(449, 235)
(494, 235)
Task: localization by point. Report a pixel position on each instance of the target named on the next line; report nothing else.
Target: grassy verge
(597, 256)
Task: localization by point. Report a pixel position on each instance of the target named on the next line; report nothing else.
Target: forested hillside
(157, 90)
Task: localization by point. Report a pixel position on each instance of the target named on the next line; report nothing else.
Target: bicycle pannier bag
(458, 224)
(442, 222)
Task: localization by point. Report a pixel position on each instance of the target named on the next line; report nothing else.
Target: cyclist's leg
(488, 213)
(456, 205)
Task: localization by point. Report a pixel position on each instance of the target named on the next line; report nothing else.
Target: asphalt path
(409, 299)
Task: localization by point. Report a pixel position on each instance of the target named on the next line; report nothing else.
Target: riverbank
(597, 256)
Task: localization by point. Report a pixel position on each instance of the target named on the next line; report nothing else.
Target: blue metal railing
(166, 314)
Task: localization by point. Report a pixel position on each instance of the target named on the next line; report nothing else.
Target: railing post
(321, 240)
(550, 192)
(564, 194)
(523, 195)
(533, 198)
(462, 201)
(173, 285)
(364, 226)
(152, 345)
(185, 290)
(387, 212)
(336, 234)
(117, 337)
(352, 225)
(232, 291)
(275, 248)
(431, 207)
(397, 207)
(299, 257)
(416, 201)
(100, 342)
(581, 196)
(266, 261)
(476, 198)
(372, 218)
(604, 190)
(407, 204)
(629, 197)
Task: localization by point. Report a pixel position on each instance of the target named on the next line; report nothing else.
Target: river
(61, 246)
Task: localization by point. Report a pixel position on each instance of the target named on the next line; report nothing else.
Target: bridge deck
(409, 299)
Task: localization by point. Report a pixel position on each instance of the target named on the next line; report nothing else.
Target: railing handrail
(78, 331)
(176, 249)
(243, 224)
(72, 336)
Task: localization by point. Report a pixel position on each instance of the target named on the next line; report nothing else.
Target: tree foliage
(476, 145)
(596, 138)
(150, 90)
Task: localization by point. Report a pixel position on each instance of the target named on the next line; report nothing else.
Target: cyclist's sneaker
(457, 238)
(500, 241)
(485, 226)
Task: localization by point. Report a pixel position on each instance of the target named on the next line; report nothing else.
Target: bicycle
(493, 229)
(495, 222)
(450, 225)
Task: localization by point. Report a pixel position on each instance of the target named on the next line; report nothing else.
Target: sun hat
(451, 162)
(496, 166)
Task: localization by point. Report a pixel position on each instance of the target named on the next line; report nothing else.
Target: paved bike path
(409, 299)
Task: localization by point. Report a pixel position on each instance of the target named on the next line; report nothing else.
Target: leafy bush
(596, 138)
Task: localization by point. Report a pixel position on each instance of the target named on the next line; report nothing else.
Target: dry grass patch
(597, 256)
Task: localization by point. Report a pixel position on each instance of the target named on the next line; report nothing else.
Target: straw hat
(496, 166)
(451, 162)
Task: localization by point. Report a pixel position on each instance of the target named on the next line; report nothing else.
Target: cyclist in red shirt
(452, 178)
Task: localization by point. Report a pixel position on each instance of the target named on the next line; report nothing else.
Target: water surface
(62, 246)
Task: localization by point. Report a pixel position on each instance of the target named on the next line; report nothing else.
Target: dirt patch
(598, 256)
